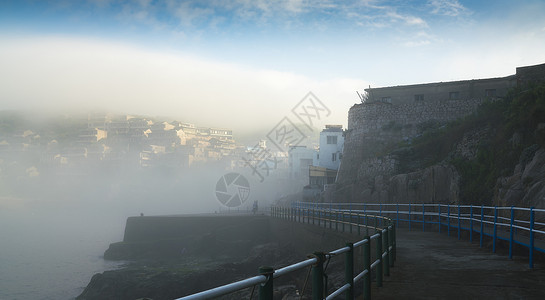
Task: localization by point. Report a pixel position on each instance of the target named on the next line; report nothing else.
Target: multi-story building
(331, 147)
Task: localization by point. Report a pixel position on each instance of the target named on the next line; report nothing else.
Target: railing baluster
(495, 229)
(531, 254)
(349, 271)
(439, 216)
(471, 224)
(266, 289)
(423, 217)
(482, 227)
(397, 214)
(511, 233)
(379, 266)
(409, 216)
(386, 248)
(318, 291)
(459, 222)
(367, 266)
(448, 220)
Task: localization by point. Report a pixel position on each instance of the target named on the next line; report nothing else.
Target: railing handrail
(348, 250)
(499, 220)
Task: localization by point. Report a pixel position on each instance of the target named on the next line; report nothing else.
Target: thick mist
(56, 222)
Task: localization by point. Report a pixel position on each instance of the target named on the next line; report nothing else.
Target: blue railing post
(367, 266)
(471, 223)
(266, 289)
(385, 246)
(349, 271)
(481, 237)
(380, 213)
(397, 214)
(350, 217)
(337, 220)
(459, 222)
(379, 257)
(359, 223)
(394, 243)
(366, 221)
(330, 215)
(409, 216)
(391, 243)
(318, 290)
(439, 216)
(511, 233)
(531, 254)
(495, 235)
(350, 214)
(342, 220)
(448, 220)
(423, 217)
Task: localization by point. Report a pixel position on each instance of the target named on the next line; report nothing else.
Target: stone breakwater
(173, 256)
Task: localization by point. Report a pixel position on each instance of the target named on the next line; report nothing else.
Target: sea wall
(233, 236)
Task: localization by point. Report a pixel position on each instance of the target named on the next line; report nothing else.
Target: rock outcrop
(526, 187)
(436, 184)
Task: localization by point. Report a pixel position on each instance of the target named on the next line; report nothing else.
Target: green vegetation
(511, 136)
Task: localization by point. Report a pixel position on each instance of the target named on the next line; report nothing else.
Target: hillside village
(115, 139)
(70, 151)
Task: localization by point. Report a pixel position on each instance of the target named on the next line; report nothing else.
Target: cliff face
(373, 128)
(493, 154)
(526, 187)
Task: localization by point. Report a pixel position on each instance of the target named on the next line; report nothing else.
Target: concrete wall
(394, 114)
(234, 236)
(440, 91)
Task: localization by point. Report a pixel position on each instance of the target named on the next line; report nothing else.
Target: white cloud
(57, 73)
(187, 13)
(409, 20)
(451, 8)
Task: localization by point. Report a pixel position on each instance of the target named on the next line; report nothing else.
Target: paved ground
(434, 266)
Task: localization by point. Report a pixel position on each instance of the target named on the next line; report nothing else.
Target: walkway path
(434, 266)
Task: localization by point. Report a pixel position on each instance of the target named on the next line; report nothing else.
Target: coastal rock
(435, 184)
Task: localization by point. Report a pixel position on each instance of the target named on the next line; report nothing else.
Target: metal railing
(514, 225)
(384, 238)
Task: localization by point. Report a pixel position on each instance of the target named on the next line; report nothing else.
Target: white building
(331, 147)
(299, 160)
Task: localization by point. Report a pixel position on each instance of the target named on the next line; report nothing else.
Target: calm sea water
(52, 254)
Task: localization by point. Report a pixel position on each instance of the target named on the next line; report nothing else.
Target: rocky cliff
(494, 156)
(526, 187)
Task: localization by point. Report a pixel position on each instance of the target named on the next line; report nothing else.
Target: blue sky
(260, 57)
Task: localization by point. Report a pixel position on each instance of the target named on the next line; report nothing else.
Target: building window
(490, 93)
(386, 99)
(419, 97)
(333, 156)
(454, 95)
(332, 139)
